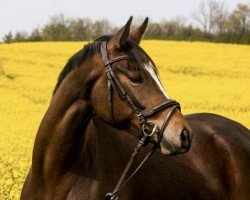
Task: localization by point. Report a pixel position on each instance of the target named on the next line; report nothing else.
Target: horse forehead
(153, 74)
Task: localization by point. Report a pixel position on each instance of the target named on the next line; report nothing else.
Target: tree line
(214, 23)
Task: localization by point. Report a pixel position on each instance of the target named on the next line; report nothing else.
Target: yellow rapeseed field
(203, 77)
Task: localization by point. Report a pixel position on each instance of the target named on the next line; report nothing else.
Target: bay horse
(107, 96)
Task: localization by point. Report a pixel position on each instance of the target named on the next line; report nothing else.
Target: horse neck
(68, 140)
(109, 150)
(64, 121)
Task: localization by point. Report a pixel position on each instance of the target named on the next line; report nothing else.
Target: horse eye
(137, 79)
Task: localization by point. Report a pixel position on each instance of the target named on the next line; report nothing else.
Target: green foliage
(8, 38)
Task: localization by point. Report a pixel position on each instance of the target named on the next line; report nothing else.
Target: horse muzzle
(172, 133)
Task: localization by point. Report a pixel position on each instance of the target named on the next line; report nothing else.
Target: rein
(114, 83)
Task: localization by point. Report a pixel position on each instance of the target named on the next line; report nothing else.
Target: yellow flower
(203, 77)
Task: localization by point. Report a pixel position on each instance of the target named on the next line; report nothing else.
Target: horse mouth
(168, 148)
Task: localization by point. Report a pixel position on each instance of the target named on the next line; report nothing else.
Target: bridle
(114, 83)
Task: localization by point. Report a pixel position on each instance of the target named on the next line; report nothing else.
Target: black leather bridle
(114, 83)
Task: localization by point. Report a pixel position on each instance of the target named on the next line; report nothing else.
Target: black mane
(89, 51)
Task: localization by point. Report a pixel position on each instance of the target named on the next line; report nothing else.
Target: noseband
(114, 83)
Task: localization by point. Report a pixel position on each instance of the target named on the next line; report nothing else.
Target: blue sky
(24, 15)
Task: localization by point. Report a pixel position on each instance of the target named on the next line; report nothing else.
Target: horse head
(127, 84)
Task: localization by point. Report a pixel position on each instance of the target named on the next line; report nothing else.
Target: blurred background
(77, 20)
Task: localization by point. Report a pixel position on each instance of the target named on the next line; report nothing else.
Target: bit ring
(154, 130)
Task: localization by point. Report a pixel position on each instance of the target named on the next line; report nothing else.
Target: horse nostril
(185, 139)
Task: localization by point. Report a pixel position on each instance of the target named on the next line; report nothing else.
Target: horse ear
(137, 34)
(120, 38)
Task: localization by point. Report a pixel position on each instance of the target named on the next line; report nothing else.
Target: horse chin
(167, 148)
(165, 152)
